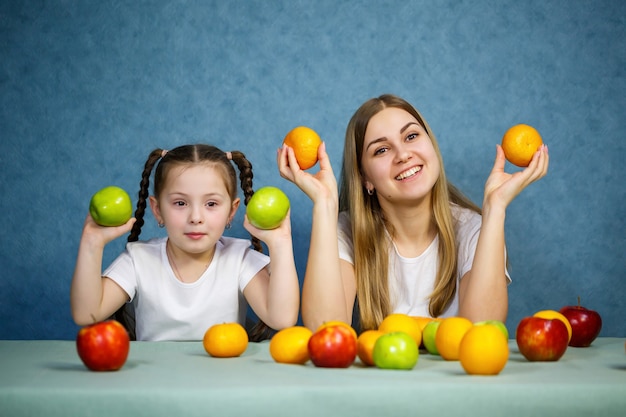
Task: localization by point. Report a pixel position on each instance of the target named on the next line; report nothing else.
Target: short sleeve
(344, 235)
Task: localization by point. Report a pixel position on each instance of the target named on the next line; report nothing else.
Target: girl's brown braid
(144, 193)
(245, 178)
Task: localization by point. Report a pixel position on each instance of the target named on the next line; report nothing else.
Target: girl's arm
(93, 297)
(329, 289)
(274, 292)
(483, 290)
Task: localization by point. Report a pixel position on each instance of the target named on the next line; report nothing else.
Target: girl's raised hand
(501, 188)
(317, 186)
(101, 235)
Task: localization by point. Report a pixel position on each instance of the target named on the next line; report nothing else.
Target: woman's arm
(93, 297)
(483, 290)
(328, 291)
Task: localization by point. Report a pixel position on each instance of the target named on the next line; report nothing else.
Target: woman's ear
(156, 212)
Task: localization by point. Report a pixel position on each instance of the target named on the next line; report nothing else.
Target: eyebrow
(384, 138)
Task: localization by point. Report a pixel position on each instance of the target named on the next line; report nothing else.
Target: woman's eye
(412, 136)
(380, 151)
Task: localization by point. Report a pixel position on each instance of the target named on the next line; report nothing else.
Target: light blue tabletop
(178, 379)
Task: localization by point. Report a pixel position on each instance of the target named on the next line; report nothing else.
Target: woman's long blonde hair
(371, 252)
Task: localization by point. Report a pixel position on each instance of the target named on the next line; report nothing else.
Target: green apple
(111, 206)
(267, 208)
(496, 323)
(428, 336)
(395, 350)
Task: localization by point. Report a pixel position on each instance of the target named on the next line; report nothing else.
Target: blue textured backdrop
(88, 88)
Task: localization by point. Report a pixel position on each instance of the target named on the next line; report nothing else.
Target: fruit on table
(585, 323)
(422, 322)
(484, 350)
(395, 350)
(553, 314)
(225, 340)
(496, 323)
(541, 339)
(520, 143)
(103, 346)
(398, 322)
(429, 336)
(111, 206)
(333, 346)
(449, 335)
(290, 345)
(267, 208)
(365, 346)
(305, 142)
(337, 323)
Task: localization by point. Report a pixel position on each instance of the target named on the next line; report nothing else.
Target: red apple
(333, 347)
(586, 324)
(103, 346)
(542, 339)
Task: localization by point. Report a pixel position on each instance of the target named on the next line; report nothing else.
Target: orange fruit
(422, 322)
(365, 346)
(552, 314)
(398, 322)
(337, 323)
(449, 335)
(304, 142)
(483, 350)
(225, 340)
(290, 345)
(520, 143)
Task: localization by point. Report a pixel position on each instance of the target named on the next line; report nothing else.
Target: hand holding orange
(520, 143)
(304, 141)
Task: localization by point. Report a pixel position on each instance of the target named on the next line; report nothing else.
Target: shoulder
(233, 243)
(466, 221)
(146, 246)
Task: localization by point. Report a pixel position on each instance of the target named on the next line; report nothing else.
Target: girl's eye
(179, 203)
(411, 136)
(211, 204)
(380, 151)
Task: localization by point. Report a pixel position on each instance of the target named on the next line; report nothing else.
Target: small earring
(161, 225)
(370, 192)
(228, 225)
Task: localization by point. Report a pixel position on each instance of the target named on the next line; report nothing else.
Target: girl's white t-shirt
(412, 280)
(167, 309)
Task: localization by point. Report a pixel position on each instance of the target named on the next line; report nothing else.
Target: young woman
(398, 237)
(182, 284)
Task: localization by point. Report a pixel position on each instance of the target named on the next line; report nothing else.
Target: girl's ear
(233, 209)
(156, 212)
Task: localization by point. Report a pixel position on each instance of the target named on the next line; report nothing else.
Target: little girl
(182, 284)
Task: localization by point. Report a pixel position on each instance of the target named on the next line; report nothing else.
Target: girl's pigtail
(144, 193)
(258, 331)
(126, 314)
(245, 177)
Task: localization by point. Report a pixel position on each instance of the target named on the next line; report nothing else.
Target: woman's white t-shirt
(412, 280)
(167, 309)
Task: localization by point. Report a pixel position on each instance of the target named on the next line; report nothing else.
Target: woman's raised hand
(501, 188)
(322, 185)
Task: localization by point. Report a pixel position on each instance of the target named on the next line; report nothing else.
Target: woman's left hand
(501, 188)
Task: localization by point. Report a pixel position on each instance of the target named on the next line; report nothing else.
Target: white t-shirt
(167, 309)
(412, 280)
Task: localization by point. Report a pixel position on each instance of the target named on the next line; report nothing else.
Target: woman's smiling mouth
(409, 173)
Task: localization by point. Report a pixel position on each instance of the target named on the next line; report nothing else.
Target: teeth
(409, 173)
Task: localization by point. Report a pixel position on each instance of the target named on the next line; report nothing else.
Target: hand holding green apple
(111, 206)
(267, 208)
